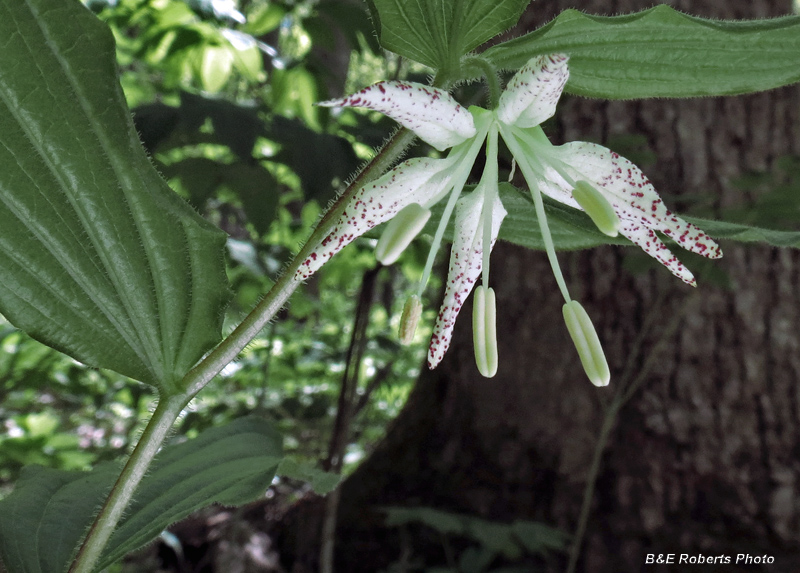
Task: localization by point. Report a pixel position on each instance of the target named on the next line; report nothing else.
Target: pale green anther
(400, 231)
(584, 336)
(409, 319)
(484, 331)
(597, 207)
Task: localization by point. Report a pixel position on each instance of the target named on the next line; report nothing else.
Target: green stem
(121, 494)
(169, 408)
(609, 419)
(277, 296)
(489, 179)
(524, 158)
(492, 81)
(464, 157)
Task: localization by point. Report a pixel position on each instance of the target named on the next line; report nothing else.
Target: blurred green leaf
(249, 62)
(322, 161)
(322, 482)
(353, 21)
(256, 189)
(42, 424)
(235, 125)
(197, 177)
(539, 538)
(231, 465)
(263, 18)
(215, 66)
(100, 258)
(507, 539)
(660, 52)
(438, 33)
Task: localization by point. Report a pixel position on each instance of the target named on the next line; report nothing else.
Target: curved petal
(532, 94)
(466, 261)
(413, 181)
(634, 199)
(652, 245)
(431, 113)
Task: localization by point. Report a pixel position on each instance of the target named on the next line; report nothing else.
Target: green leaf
(539, 538)
(353, 21)
(263, 18)
(508, 539)
(573, 229)
(321, 482)
(214, 67)
(51, 509)
(747, 233)
(100, 259)
(438, 32)
(662, 53)
(322, 161)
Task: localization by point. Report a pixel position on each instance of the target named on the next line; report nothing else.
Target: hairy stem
(154, 434)
(492, 80)
(195, 380)
(274, 300)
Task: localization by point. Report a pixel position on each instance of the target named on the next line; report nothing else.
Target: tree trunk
(702, 459)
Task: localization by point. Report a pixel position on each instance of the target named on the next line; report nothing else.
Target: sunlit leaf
(215, 67)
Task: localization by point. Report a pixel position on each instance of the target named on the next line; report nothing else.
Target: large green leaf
(438, 32)
(99, 258)
(572, 229)
(45, 517)
(662, 53)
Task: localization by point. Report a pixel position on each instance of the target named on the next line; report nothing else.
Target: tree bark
(703, 457)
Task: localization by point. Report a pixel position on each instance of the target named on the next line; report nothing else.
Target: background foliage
(223, 102)
(223, 99)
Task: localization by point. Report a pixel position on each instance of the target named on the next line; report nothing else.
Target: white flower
(555, 171)
(612, 190)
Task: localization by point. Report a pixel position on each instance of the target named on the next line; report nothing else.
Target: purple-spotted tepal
(612, 190)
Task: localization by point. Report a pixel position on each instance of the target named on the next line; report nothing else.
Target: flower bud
(586, 341)
(409, 319)
(400, 231)
(484, 331)
(597, 207)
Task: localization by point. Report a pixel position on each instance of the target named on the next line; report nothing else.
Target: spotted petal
(634, 199)
(466, 261)
(532, 94)
(419, 180)
(647, 239)
(432, 114)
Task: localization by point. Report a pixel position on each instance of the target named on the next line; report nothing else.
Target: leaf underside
(99, 257)
(438, 32)
(572, 229)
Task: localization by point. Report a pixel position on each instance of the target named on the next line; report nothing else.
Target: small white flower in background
(611, 189)
(227, 10)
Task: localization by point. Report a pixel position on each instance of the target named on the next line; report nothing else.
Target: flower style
(612, 190)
